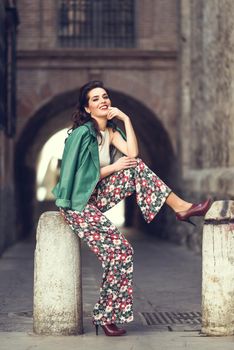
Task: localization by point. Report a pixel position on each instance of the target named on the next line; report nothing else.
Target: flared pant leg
(151, 191)
(115, 304)
(116, 255)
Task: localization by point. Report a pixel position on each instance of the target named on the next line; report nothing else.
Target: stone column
(218, 270)
(57, 278)
(206, 123)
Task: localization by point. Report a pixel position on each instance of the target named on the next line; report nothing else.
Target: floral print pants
(115, 304)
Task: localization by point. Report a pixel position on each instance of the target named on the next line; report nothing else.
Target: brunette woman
(100, 167)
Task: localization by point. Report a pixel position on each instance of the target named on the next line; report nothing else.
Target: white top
(104, 148)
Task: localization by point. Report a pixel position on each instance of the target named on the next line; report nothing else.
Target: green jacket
(80, 168)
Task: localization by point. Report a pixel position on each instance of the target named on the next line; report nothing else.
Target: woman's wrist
(126, 118)
(112, 167)
(107, 170)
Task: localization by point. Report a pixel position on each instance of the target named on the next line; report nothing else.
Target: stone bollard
(57, 304)
(218, 270)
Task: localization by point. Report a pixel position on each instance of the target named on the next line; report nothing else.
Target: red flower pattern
(116, 292)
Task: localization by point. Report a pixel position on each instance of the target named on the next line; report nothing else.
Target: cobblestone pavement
(167, 313)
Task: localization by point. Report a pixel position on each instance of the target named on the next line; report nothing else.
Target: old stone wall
(180, 73)
(147, 72)
(207, 109)
(206, 118)
(212, 65)
(7, 186)
(156, 24)
(7, 193)
(143, 80)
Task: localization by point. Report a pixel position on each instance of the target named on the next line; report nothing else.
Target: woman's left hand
(116, 112)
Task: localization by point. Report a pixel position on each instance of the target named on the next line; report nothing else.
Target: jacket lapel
(93, 148)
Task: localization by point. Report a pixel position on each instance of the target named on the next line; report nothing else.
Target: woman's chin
(100, 116)
(103, 116)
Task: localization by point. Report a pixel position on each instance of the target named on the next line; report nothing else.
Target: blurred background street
(169, 65)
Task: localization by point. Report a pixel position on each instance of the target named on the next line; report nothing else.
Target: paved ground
(167, 284)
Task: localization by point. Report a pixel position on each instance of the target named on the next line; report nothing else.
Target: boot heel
(96, 326)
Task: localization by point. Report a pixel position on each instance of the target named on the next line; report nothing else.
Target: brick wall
(145, 76)
(157, 23)
(145, 72)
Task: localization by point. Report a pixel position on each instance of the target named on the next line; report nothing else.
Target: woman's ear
(87, 110)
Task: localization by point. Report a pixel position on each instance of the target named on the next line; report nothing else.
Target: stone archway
(155, 146)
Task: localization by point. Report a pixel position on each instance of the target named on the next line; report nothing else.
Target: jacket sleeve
(75, 147)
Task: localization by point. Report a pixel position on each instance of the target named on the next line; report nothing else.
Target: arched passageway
(155, 149)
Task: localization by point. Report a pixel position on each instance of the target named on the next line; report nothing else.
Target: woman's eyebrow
(98, 95)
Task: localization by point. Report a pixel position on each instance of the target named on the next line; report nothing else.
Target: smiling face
(98, 102)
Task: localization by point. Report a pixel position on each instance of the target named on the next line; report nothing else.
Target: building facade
(9, 21)
(130, 45)
(150, 54)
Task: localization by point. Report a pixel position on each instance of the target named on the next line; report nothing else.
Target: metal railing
(96, 23)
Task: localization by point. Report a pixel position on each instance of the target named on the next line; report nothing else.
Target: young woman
(100, 167)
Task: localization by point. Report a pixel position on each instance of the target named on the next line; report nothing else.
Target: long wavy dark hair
(80, 116)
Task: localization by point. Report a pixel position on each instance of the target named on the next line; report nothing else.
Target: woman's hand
(116, 112)
(124, 163)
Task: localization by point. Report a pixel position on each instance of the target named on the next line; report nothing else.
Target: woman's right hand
(124, 163)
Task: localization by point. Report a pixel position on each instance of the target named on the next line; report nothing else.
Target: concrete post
(57, 301)
(218, 270)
